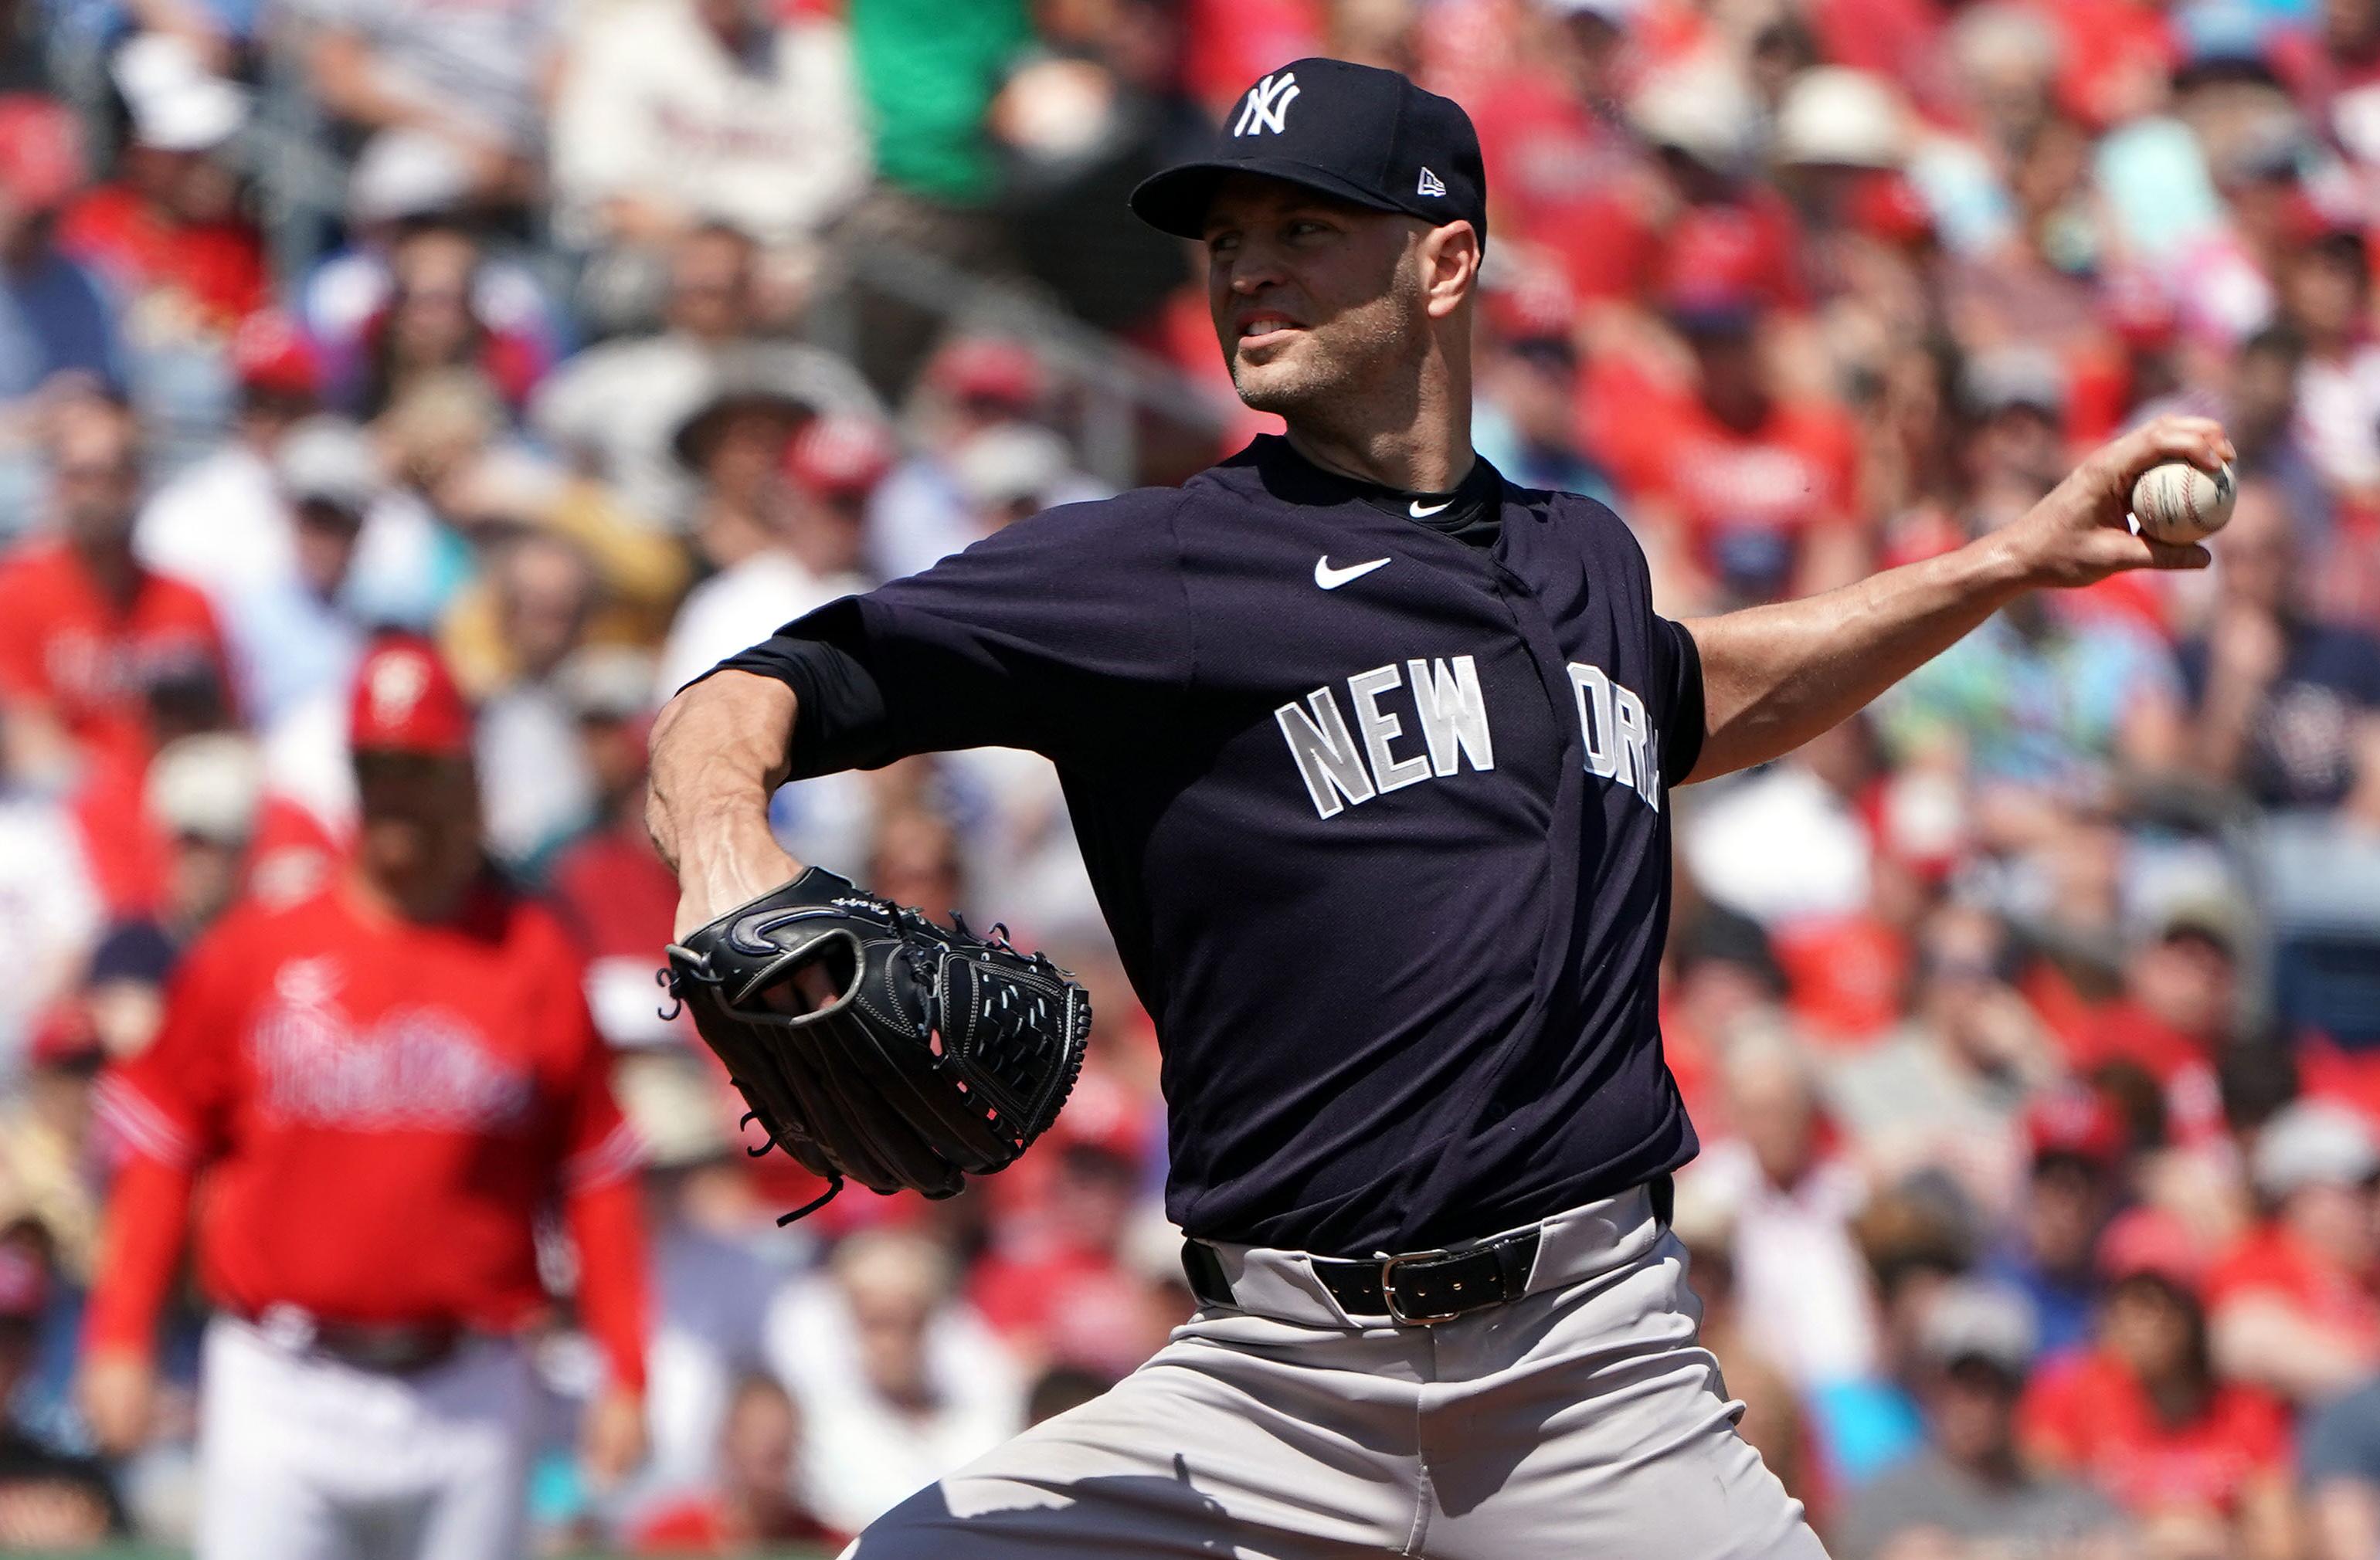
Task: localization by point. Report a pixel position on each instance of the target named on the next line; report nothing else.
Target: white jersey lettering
(1453, 714)
(1378, 726)
(1325, 754)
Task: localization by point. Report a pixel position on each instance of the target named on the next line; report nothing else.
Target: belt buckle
(1389, 1266)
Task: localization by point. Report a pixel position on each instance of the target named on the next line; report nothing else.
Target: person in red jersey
(85, 631)
(2142, 1414)
(2295, 1306)
(381, 1085)
(1760, 484)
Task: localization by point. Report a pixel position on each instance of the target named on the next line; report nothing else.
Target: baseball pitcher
(1369, 752)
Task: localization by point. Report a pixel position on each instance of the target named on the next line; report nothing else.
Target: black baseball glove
(872, 1044)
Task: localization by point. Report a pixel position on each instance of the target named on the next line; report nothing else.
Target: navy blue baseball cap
(1363, 134)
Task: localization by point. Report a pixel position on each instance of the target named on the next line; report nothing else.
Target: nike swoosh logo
(1418, 513)
(1329, 578)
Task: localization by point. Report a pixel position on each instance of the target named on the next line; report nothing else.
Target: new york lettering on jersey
(1240, 679)
(1452, 718)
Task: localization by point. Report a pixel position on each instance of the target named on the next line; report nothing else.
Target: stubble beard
(1367, 354)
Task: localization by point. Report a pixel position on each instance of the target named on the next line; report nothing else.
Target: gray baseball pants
(1582, 1420)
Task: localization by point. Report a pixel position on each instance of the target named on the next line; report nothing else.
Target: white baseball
(2174, 502)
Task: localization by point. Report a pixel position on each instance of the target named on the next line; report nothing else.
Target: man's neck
(1408, 469)
(1424, 446)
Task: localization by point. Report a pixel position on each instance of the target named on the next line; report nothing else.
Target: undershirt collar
(1472, 512)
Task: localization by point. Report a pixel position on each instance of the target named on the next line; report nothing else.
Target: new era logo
(1431, 184)
(1267, 102)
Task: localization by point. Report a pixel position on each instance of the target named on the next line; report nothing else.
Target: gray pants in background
(1582, 1420)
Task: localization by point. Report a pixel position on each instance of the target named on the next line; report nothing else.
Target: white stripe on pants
(304, 1457)
(1582, 1420)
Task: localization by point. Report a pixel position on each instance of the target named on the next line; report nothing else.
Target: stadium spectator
(1757, 480)
(974, 385)
(50, 904)
(220, 523)
(205, 792)
(50, 1498)
(167, 232)
(403, 182)
(1804, 1298)
(2178, 1014)
(1947, 1094)
(2077, 1143)
(2281, 699)
(802, 514)
(2142, 1414)
(618, 408)
(296, 633)
(1056, 1282)
(2339, 1459)
(1971, 1484)
(676, 112)
(2294, 1306)
(535, 783)
(752, 1506)
(473, 82)
(430, 325)
(59, 319)
(87, 632)
(898, 1379)
(929, 71)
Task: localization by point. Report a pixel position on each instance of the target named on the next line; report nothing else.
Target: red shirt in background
(382, 1109)
(2087, 1413)
(2125, 1032)
(1746, 499)
(1228, 43)
(219, 265)
(67, 647)
(1843, 974)
(704, 1525)
(2273, 1261)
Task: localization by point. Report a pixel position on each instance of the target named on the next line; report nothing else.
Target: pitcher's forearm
(1775, 676)
(719, 750)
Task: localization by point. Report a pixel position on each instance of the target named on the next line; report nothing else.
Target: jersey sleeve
(1678, 684)
(20, 646)
(597, 1144)
(1064, 633)
(600, 1195)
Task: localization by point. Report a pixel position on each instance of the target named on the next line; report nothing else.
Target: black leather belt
(393, 1350)
(397, 1349)
(1417, 1287)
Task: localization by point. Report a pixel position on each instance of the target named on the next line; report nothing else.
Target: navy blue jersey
(1377, 816)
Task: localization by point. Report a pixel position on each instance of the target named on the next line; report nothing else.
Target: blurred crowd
(2027, 1021)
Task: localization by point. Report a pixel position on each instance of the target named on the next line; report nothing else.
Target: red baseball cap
(840, 453)
(1717, 267)
(268, 352)
(407, 701)
(2076, 1121)
(2151, 1242)
(989, 368)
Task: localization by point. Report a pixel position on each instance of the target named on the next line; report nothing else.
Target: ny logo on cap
(1267, 101)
